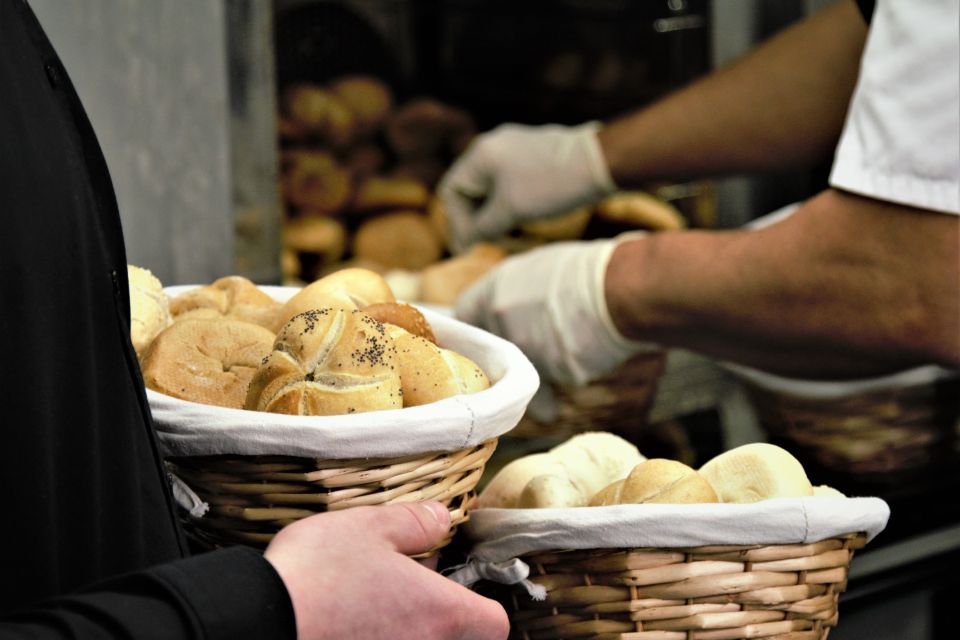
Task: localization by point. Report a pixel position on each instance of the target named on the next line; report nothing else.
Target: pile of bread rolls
(341, 345)
(601, 469)
(358, 176)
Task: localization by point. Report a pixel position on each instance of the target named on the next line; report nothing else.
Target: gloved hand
(550, 302)
(518, 173)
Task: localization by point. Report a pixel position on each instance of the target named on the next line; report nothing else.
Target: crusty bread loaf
(233, 297)
(350, 288)
(756, 471)
(429, 372)
(662, 481)
(444, 281)
(329, 361)
(403, 315)
(570, 473)
(398, 240)
(206, 361)
(149, 307)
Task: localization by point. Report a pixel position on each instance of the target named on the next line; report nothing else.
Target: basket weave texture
(777, 592)
(881, 431)
(620, 401)
(252, 497)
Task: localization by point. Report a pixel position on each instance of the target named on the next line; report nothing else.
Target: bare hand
(349, 576)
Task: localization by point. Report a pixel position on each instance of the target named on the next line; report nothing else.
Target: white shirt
(901, 141)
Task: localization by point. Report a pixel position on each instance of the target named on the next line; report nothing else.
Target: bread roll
(399, 240)
(641, 210)
(367, 97)
(405, 284)
(756, 471)
(550, 490)
(403, 315)
(662, 481)
(586, 463)
(430, 373)
(320, 112)
(425, 127)
(149, 307)
(315, 181)
(504, 489)
(320, 235)
(328, 362)
(378, 193)
(609, 495)
(351, 288)
(443, 282)
(206, 361)
(569, 226)
(233, 297)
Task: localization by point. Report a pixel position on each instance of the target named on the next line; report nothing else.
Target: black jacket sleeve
(224, 595)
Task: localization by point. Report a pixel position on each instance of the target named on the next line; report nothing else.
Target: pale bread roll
(550, 490)
(756, 471)
(429, 372)
(328, 361)
(610, 456)
(587, 462)
(350, 288)
(149, 307)
(504, 489)
(206, 361)
(233, 297)
(405, 284)
(662, 481)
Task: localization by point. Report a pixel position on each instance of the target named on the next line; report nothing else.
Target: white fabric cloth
(901, 142)
(504, 535)
(192, 429)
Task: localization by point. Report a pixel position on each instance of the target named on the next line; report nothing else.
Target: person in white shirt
(862, 279)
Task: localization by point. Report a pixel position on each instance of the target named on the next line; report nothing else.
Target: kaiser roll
(350, 288)
(232, 297)
(206, 361)
(329, 361)
(149, 307)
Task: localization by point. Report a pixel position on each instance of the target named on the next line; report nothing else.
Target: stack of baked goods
(341, 345)
(602, 469)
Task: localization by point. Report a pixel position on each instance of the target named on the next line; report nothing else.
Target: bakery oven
(377, 97)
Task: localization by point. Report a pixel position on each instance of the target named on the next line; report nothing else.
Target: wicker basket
(620, 402)
(778, 592)
(244, 475)
(878, 428)
(252, 497)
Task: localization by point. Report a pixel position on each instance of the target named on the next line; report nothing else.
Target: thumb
(412, 528)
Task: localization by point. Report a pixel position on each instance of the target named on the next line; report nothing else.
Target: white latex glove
(550, 302)
(517, 173)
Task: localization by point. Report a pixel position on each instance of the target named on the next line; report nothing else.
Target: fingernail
(439, 512)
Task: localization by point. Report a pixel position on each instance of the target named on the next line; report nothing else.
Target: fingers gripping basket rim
(260, 471)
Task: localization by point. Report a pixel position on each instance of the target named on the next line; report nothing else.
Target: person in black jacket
(92, 546)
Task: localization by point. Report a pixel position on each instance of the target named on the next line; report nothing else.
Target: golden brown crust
(382, 192)
(402, 315)
(399, 240)
(328, 361)
(233, 297)
(430, 373)
(662, 481)
(206, 361)
(351, 288)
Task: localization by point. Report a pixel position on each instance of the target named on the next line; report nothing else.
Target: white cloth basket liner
(193, 429)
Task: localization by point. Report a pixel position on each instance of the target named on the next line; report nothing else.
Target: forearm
(846, 287)
(782, 105)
